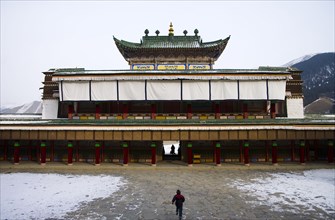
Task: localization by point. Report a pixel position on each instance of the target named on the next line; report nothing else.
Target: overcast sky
(39, 35)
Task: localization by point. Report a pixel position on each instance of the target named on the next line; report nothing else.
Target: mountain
(34, 107)
(322, 105)
(318, 76)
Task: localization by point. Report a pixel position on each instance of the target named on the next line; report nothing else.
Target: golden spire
(171, 32)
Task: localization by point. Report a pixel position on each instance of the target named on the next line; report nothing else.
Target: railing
(195, 116)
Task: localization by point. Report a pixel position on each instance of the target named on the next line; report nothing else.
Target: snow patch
(314, 189)
(43, 196)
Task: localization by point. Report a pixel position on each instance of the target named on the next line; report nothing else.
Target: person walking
(179, 199)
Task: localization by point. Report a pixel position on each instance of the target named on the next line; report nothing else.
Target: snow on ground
(314, 189)
(40, 196)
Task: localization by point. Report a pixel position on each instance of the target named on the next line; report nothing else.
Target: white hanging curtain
(163, 90)
(103, 90)
(277, 89)
(253, 90)
(224, 90)
(131, 90)
(74, 91)
(195, 90)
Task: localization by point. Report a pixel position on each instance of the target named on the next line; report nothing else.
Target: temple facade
(172, 78)
(170, 93)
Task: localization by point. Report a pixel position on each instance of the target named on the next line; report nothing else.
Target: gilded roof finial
(171, 30)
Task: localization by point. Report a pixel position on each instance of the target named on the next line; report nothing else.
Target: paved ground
(208, 190)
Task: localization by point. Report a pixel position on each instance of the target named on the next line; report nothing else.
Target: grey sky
(37, 36)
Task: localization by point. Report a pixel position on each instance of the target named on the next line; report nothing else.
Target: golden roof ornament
(171, 31)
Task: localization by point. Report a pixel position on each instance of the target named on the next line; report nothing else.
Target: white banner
(131, 90)
(74, 91)
(195, 90)
(103, 91)
(163, 90)
(253, 90)
(224, 90)
(277, 89)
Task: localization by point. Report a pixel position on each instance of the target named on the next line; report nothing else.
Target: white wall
(295, 108)
(50, 109)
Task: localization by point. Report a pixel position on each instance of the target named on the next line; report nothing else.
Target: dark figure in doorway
(179, 199)
(172, 150)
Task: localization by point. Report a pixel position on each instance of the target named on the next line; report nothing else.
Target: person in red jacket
(179, 199)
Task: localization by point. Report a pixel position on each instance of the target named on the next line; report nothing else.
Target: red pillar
(218, 154)
(274, 153)
(273, 110)
(153, 111)
(189, 111)
(43, 153)
(189, 154)
(97, 111)
(246, 153)
(302, 152)
(245, 110)
(217, 111)
(70, 111)
(125, 154)
(330, 151)
(97, 154)
(125, 111)
(153, 154)
(16, 153)
(69, 153)
(29, 153)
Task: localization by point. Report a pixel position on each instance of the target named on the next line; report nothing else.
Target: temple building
(171, 93)
(172, 77)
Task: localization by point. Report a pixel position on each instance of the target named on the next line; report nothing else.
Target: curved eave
(213, 49)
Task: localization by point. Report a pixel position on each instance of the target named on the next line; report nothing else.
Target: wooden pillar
(70, 111)
(273, 110)
(246, 153)
(125, 111)
(103, 152)
(302, 152)
(43, 152)
(189, 154)
(330, 151)
(218, 154)
(274, 153)
(189, 111)
(97, 111)
(16, 153)
(153, 154)
(69, 153)
(245, 110)
(125, 154)
(292, 151)
(153, 111)
(97, 153)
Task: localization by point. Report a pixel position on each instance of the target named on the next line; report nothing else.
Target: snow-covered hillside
(299, 60)
(34, 107)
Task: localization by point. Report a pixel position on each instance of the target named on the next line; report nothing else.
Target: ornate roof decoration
(183, 45)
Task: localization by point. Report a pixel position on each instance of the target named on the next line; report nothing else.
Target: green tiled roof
(186, 45)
